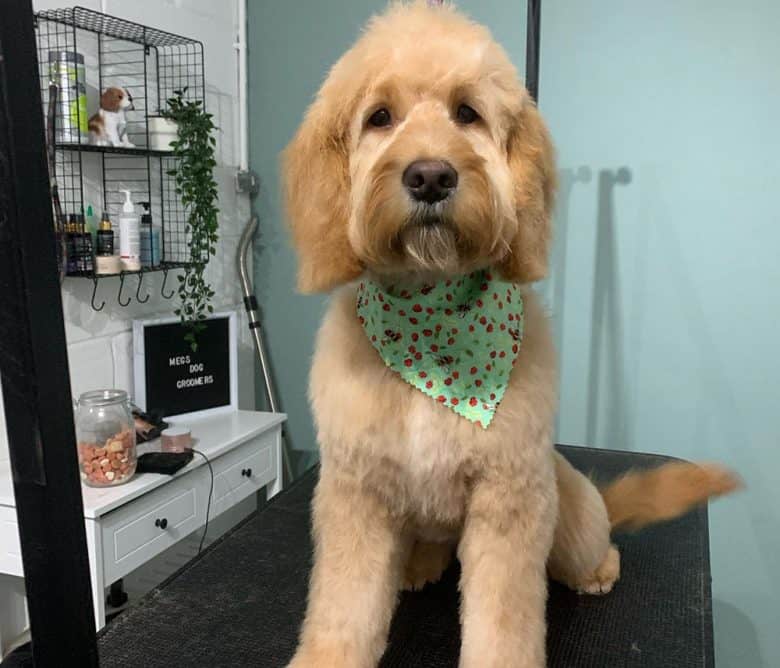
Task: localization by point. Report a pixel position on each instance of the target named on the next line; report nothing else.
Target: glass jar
(105, 430)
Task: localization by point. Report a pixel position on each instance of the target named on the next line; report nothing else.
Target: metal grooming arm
(250, 303)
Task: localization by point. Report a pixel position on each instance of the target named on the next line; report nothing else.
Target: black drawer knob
(162, 523)
(246, 473)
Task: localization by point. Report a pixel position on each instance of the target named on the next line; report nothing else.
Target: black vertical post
(34, 367)
(532, 38)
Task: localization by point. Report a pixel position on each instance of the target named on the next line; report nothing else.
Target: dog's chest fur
(114, 123)
(418, 456)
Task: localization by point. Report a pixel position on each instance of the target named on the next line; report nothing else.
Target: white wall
(100, 343)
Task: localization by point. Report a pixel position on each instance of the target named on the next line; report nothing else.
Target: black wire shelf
(164, 267)
(111, 26)
(81, 53)
(117, 150)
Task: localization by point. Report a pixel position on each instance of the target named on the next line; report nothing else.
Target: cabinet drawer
(245, 471)
(138, 532)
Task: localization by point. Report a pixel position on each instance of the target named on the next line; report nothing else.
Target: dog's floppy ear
(316, 179)
(532, 164)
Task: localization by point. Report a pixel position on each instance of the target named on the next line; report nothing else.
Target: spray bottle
(129, 236)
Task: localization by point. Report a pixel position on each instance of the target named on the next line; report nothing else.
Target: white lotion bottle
(129, 236)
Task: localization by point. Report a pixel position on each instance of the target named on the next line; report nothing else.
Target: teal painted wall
(664, 289)
(291, 47)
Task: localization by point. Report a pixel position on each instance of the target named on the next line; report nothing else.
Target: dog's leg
(503, 551)
(358, 555)
(426, 563)
(582, 556)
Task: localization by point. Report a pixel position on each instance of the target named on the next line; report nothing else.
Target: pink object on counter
(176, 439)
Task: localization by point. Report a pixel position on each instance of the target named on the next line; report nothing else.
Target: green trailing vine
(195, 185)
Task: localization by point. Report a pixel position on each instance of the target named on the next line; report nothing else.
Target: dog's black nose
(430, 181)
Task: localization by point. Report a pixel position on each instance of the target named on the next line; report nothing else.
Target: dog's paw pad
(605, 576)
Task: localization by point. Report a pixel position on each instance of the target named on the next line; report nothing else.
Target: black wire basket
(98, 51)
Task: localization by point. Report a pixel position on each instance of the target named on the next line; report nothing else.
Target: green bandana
(456, 341)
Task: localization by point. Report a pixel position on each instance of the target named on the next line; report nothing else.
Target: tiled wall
(100, 343)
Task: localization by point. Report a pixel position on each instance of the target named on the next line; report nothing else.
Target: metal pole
(532, 39)
(250, 303)
(34, 367)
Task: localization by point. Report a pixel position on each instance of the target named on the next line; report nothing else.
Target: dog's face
(116, 99)
(421, 154)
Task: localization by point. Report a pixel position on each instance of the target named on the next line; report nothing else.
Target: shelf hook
(138, 290)
(162, 289)
(121, 286)
(94, 293)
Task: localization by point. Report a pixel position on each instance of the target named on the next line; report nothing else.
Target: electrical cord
(208, 505)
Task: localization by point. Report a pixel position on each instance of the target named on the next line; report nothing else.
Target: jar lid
(67, 56)
(103, 397)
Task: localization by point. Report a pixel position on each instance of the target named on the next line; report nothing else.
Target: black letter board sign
(174, 380)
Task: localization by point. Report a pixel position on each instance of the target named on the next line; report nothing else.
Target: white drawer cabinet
(244, 471)
(129, 524)
(133, 534)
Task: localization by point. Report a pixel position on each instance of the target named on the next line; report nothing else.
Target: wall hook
(138, 289)
(121, 286)
(162, 289)
(94, 293)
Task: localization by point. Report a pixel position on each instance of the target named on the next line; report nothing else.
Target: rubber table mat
(241, 603)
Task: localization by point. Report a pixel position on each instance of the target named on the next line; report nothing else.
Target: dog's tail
(639, 498)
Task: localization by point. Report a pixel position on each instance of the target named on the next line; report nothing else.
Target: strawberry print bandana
(456, 340)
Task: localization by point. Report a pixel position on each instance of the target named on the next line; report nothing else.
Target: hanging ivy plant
(195, 185)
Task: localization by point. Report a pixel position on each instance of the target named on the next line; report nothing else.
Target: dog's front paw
(604, 577)
(322, 656)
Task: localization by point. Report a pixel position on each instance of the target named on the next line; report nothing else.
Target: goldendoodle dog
(419, 188)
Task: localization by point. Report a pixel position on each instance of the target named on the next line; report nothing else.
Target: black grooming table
(241, 603)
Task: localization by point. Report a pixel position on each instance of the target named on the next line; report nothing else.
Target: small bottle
(156, 240)
(61, 231)
(72, 246)
(92, 224)
(146, 235)
(105, 260)
(85, 260)
(105, 236)
(129, 236)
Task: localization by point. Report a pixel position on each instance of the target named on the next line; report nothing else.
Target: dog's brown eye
(380, 118)
(466, 114)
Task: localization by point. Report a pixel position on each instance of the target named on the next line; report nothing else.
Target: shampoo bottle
(146, 235)
(86, 264)
(129, 236)
(151, 238)
(72, 246)
(91, 221)
(105, 236)
(105, 260)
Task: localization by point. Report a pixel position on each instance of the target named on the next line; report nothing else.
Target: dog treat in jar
(106, 438)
